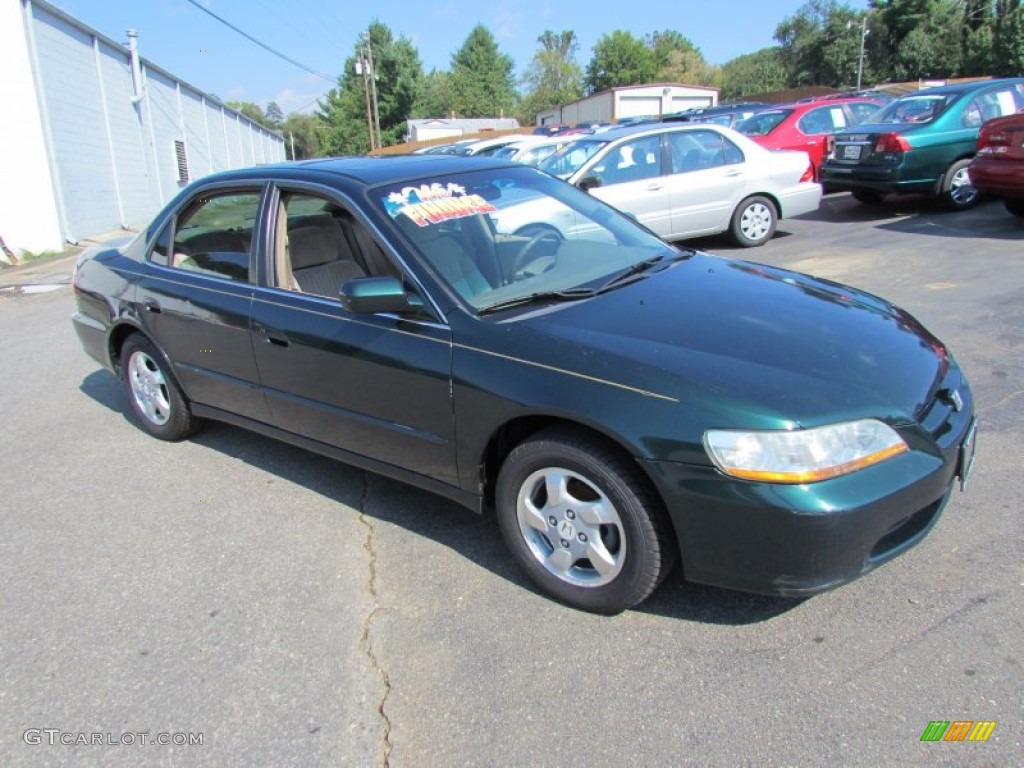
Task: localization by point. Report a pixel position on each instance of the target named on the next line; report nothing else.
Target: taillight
(892, 142)
(808, 174)
(993, 141)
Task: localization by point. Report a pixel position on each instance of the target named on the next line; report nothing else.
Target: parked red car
(807, 125)
(998, 167)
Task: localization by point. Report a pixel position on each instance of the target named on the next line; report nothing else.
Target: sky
(321, 34)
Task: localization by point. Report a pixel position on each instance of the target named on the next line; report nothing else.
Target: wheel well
(116, 342)
(767, 196)
(514, 432)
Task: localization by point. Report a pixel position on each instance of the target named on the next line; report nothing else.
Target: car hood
(753, 345)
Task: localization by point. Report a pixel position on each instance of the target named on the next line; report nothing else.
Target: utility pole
(361, 69)
(291, 137)
(373, 87)
(863, 36)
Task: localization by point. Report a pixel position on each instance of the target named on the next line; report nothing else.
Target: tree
(619, 59)
(398, 74)
(916, 39)
(678, 60)
(820, 44)
(306, 131)
(1008, 39)
(481, 77)
(435, 97)
(753, 73)
(253, 111)
(554, 77)
(274, 115)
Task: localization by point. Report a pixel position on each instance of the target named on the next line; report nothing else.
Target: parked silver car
(689, 180)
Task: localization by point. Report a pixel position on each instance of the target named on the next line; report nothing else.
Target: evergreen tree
(398, 75)
(481, 77)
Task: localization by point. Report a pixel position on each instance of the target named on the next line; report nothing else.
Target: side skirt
(472, 501)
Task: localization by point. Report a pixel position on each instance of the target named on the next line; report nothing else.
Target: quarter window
(214, 235)
(160, 254)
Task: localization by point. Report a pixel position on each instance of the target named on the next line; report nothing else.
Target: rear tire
(1016, 207)
(867, 197)
(958, 193)
(582, 522)
(753, 222)
(155, 398)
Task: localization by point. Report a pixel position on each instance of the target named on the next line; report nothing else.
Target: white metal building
(423, 129)
(95, 138)
(651, 99)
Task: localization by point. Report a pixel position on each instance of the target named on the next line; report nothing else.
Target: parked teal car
(921, 143)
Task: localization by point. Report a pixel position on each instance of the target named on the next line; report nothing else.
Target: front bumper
(798, 540)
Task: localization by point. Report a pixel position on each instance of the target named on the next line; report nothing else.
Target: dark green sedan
(621, 404)
(921, 143)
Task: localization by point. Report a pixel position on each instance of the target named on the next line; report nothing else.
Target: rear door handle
(735, 172)
(654, 187)
(152, 305)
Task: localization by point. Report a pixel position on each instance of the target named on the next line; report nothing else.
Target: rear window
(763, 123)
(916, 108)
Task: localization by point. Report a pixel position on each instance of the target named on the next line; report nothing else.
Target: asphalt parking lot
(296, 612)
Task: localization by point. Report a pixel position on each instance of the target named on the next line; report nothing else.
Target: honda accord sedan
(622, 405)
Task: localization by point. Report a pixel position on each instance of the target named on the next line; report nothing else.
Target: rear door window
(214, 234)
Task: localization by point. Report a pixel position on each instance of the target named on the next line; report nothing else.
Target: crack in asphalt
(365, 642)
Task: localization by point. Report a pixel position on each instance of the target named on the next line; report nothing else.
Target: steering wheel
(522, 267)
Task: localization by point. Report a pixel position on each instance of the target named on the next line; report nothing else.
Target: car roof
(368, 171)
(963, 87)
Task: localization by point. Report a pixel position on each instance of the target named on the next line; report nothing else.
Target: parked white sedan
(534, 150)
(684, 181)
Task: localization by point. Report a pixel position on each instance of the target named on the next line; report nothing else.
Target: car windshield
(763, 123)
(509, 234)
(915, 109)
(570, 158)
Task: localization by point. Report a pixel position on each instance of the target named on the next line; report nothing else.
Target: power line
(264, 46)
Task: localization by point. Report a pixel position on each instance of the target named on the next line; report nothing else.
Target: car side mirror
(587, 183)
(369, 295)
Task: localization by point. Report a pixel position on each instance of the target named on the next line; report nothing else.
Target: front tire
(753, 222)
(156, 400)
(582, 522)
(958, 193)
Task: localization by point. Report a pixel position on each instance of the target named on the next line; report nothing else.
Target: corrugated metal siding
(79, 144)
(114, 160)
(162, 99)
(131, 147)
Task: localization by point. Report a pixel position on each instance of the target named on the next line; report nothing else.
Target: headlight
(804, 455)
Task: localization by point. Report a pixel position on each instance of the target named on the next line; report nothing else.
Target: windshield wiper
(634, 272)
(570, 294)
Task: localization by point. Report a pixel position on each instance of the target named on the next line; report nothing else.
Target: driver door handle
(272, 336)
(654, 187)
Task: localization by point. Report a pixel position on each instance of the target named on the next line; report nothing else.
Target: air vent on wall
(182, 160)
